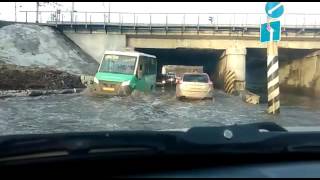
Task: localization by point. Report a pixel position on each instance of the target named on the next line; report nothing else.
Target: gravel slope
(40, 46)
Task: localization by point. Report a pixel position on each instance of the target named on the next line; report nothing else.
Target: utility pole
(37, 13)
(72, 12)
(15, 11)
(109, 12)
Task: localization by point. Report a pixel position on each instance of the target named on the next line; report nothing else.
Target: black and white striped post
(273, 10)
(273, 78)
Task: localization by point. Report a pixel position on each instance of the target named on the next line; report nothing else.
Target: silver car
(194, 85)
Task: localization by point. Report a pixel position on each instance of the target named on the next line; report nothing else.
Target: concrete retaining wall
(96, 43)
(301, 76)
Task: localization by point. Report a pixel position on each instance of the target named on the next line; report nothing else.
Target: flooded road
(158, 111)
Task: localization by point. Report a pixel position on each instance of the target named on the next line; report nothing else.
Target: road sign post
(270, 32)
(273, 78)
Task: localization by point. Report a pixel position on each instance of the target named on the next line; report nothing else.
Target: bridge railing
(181, 19)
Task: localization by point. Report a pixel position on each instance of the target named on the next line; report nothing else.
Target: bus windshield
(118, 64)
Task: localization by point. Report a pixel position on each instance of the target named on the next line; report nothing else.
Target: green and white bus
(122, 72)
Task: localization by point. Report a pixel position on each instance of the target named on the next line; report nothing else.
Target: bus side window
(156, 65)
(147, 63)
(153, 66)
(140, 68)
(144, 61)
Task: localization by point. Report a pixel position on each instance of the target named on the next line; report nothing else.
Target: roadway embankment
(40, 58)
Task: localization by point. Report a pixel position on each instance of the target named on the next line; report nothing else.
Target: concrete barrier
(249, 97)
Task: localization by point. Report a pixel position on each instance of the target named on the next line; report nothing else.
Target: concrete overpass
(229, 39)
(110, 30)
(233, 41)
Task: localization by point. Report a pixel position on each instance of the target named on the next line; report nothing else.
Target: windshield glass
(157, 66)
(195, 78)
(118, 64)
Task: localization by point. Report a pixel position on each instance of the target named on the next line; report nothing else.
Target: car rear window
(195, 78)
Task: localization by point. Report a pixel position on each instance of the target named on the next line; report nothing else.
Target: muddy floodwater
(157, 111)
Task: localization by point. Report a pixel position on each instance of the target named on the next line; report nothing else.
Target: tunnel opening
(256, 72)
(256, 68)
(208, 58)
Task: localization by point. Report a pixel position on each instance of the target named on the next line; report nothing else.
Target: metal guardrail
(297, 20)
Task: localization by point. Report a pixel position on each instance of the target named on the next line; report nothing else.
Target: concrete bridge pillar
(234, 60)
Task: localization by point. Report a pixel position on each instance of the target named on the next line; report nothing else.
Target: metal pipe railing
(99, 12)
(183, 19)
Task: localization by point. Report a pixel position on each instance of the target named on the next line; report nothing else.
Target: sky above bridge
(7, 9)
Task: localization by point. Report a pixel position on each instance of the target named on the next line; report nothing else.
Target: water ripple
(78, 112)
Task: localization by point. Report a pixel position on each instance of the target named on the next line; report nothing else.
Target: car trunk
(194, 86)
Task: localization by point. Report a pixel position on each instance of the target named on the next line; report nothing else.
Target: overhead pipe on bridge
(234, 18)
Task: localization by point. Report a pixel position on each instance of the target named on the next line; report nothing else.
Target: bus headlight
(125, 83)
(95, 80)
